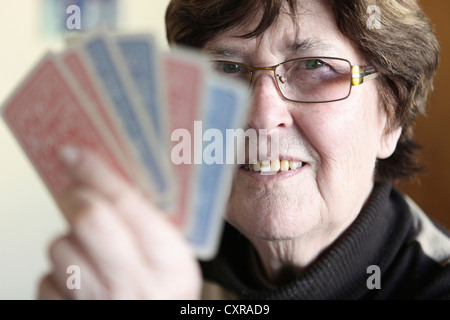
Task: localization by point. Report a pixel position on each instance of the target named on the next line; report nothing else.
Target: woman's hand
(124, 247)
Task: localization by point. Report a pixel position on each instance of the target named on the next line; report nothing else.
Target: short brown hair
(404, 50)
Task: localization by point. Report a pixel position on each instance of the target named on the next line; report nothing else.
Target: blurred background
(431, 189)
(29, 219)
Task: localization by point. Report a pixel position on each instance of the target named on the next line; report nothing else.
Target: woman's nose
(269, 110)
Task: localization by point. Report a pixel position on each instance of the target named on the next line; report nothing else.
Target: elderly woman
(341, 83)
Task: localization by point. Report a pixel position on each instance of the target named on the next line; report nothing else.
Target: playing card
(73, 60)
(226, 111)
(141, 59)
(161, 120)
(184, 81)
(110, 72)
(48, 112)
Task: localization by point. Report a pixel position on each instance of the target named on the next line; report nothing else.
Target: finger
(134, 208)
(71, 201)
(104, 238)
(48, 291)
(158, 243)
(89, 169)
(77, 200)
(151, 239)
(72, 274)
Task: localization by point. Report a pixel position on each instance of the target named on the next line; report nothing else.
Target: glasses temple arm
(359, 75)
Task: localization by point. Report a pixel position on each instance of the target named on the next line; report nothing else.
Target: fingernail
(70, 156)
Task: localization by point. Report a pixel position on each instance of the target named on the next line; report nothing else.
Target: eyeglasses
(307, 80)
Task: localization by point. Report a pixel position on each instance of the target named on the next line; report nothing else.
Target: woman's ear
(388, 143)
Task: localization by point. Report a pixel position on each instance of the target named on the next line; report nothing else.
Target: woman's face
(338, 142)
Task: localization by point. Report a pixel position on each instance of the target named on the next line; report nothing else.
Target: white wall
(29, 220)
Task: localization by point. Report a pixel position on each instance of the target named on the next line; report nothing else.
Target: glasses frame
(358, 75)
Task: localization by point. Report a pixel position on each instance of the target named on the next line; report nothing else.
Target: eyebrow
(294, 47)
(223, 51)
(307, 45)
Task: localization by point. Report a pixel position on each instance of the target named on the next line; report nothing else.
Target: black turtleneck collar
(377, 237)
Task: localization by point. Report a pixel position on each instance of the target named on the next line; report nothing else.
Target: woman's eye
(231, 68)
(314, 64)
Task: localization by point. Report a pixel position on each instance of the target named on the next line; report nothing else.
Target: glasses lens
(232, 70)
(314, 79)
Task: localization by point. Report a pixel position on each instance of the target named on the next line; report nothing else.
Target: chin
(271, 218)
(277, 207)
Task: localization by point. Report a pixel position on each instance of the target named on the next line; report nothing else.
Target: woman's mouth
(266, 167)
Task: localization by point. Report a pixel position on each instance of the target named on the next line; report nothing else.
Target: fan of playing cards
(144, 111)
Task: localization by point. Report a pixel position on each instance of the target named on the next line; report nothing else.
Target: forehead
(312, 31)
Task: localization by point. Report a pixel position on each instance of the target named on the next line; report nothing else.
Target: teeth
(266, 166)
(284, 165)
(295, 165)
(275, 165)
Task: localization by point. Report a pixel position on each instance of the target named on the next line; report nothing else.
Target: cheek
(345, 134)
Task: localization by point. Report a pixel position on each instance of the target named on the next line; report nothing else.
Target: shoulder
(433, 239)
(434, 243)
